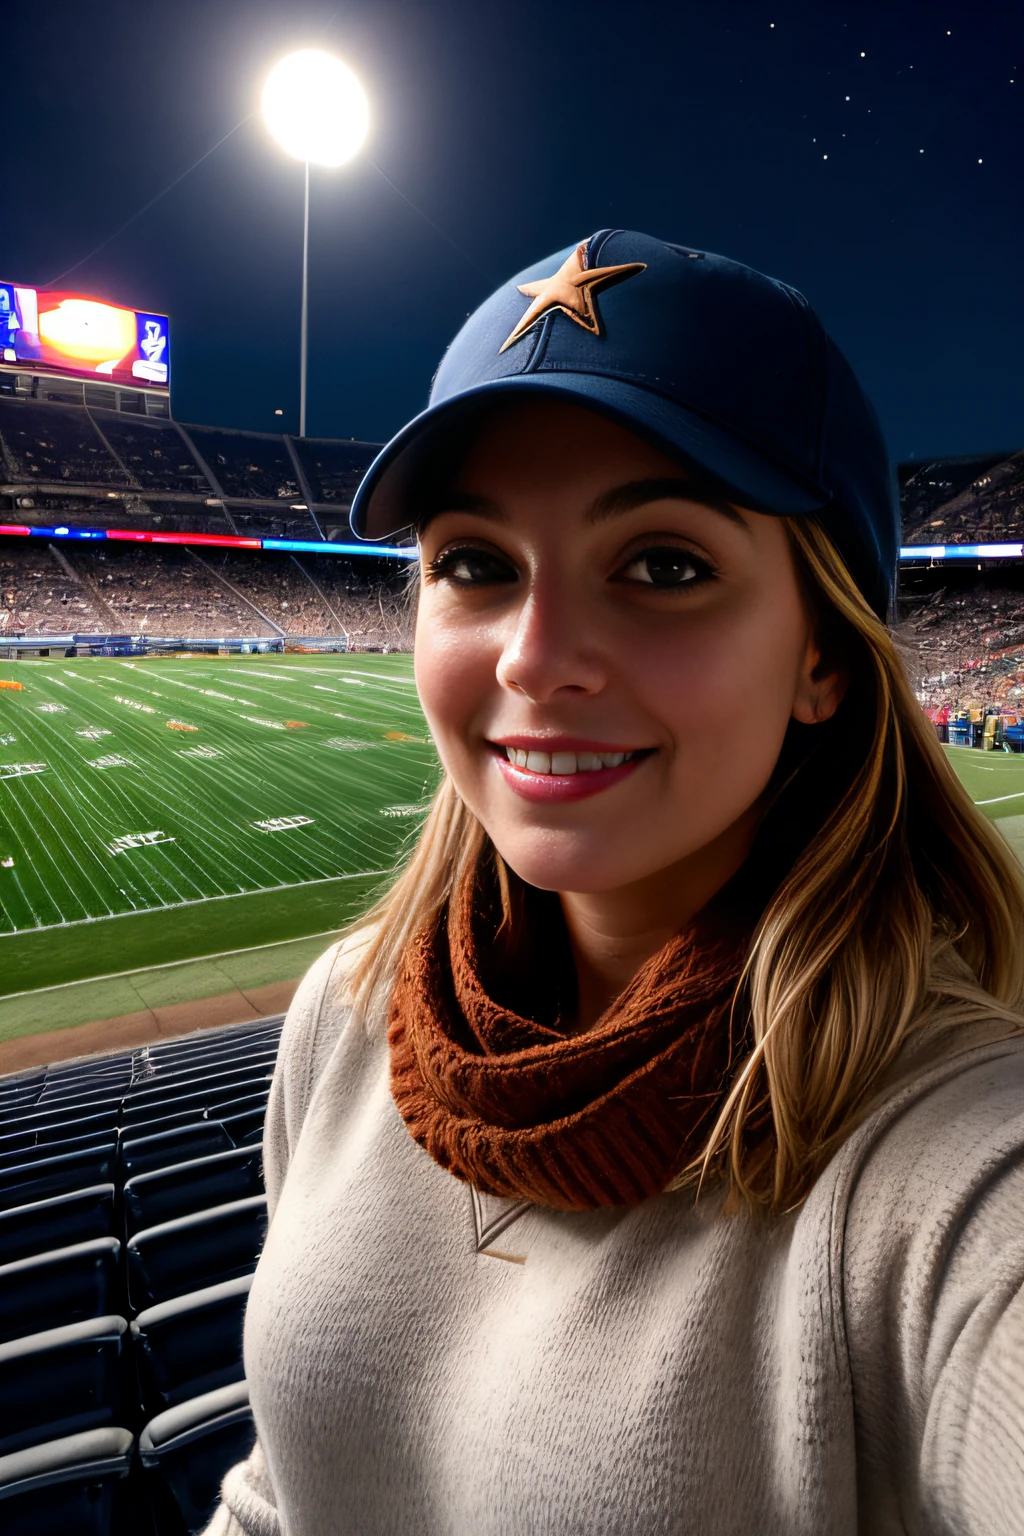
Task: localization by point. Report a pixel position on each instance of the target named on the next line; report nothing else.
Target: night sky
(870, 154)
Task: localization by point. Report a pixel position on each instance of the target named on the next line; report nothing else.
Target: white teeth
(564, 763)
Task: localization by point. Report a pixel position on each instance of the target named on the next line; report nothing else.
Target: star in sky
(571, 289)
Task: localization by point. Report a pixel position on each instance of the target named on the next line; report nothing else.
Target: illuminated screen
(72, 334)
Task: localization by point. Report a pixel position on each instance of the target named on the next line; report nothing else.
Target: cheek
(454, 674)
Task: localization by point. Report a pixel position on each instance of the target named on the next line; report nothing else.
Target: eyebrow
(613, 503)
(637, 493)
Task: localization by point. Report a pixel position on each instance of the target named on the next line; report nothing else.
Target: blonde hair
(842, 988)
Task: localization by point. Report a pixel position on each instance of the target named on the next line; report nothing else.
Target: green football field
(157, 809)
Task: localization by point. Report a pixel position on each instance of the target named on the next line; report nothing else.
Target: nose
(550, 648)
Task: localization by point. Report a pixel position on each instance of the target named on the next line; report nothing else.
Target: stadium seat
(35, 1135)
(48, 1224)
(70, 1487)
(245, 1129)
(24, 1156)
(141, 1153)
(66, 1285)
(187, 1450)
(195, 1251)
(20, 1091)
(201, 1100)
(63, 1381)
(56, 1176)
(196, 1064)
(190, 1345)
(184, 1188)
(80, 1102)
(164, 1090)
(192, 1053)
(173, 1122)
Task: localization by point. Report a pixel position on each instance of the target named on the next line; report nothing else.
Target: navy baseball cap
(726, 370)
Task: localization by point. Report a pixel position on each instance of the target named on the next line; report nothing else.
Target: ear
(820, 687)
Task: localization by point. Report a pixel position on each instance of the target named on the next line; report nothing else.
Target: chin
(587, 871)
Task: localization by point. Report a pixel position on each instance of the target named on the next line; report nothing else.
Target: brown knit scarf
(491, 1086)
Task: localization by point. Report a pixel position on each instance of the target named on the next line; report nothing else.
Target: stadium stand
(57, 460)
(47, 588)
(963, 501)
(91, 466)
(125, 1266)
(962, 635)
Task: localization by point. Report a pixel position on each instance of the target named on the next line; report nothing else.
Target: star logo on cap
(571, 289)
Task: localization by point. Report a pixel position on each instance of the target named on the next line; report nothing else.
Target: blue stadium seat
(176, 1257)
(69, 1487)
(166, 1090)
(71, 1105)
(209, 1063)
(62, 1382)
(47, 1224)
(191, 1345)
(38, 1134)
(245, 1129)
(56, 1176)
(188, 1449)
(34, 1116)
(173, 1122)
(184, 1188)
(66, 1285)
(201, 1100)
(24, 1156)
(200, 1139)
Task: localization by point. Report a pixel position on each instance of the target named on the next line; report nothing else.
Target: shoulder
(319, 1015)
(928, 1246)
(948, 1130)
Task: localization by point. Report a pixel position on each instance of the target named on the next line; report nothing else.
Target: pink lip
(546, 788)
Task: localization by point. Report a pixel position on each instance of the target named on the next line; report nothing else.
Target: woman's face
(607, 666)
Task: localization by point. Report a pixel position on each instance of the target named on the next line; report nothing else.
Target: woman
(650, 1159)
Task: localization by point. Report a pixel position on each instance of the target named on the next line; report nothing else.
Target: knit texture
(519, 1107)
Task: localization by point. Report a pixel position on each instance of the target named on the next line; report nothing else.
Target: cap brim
(384, 502)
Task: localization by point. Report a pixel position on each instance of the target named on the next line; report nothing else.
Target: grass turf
(161, 809)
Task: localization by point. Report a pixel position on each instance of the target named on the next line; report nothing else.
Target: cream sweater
(426, 1360)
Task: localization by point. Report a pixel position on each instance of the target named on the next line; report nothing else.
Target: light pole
(317, 111)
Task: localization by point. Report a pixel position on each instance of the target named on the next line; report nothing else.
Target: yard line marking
(996, 799)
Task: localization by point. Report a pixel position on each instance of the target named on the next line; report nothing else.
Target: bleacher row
(62, 463)
(132, 1213)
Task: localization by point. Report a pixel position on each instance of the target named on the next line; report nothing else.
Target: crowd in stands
(167, 591)
(153, 452)
(937, 508)
(965, 647)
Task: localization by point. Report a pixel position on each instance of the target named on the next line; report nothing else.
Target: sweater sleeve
(311, 1029)
(934, 1302)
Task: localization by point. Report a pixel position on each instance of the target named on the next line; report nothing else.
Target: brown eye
(470, 567)
(666, 566)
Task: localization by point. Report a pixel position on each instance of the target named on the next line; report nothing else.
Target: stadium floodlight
(317, 111)
(315, 108)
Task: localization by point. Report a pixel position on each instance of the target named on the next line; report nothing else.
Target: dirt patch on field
(145, 1027)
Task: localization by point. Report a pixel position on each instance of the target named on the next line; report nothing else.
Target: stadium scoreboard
(68, 333)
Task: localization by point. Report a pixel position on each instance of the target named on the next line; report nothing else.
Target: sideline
(165, 965)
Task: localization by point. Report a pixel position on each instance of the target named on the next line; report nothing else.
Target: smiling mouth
(563, 764)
